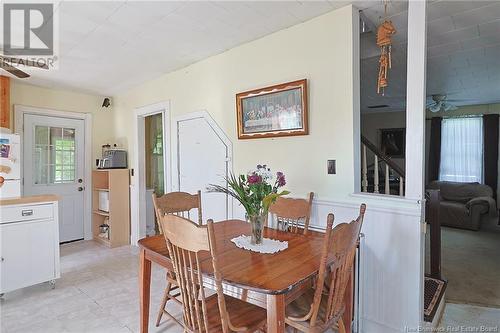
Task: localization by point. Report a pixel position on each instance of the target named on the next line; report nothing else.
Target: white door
(202, 158)
(54, 164)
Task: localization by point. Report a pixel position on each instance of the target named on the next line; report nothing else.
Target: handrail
(382, 156)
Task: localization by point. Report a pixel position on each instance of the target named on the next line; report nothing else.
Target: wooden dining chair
(177, 203)
(188, 243)
(290, 213)
(322, 308)
(180, 204)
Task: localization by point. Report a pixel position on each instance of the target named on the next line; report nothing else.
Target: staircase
(383, 176)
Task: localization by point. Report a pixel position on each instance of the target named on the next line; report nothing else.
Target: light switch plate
(331, 167)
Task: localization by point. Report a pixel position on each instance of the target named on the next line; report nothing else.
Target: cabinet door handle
(27, 212)
(3, 259)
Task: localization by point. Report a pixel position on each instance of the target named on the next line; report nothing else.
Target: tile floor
(98, 292)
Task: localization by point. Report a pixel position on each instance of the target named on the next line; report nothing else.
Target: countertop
(29, 199)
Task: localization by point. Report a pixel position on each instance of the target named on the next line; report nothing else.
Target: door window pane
(54, 155)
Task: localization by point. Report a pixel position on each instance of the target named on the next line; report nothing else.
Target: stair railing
(380, 160)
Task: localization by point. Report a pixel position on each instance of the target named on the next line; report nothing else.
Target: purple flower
(280, 179)
(254, 179)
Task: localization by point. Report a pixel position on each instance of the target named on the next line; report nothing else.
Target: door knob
(80, 189)
(80, 180)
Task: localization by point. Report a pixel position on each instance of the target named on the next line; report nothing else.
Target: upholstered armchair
(464, 205)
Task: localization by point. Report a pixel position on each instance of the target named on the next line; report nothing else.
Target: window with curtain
(462, 150)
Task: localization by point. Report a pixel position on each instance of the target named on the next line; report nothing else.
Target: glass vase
(257, 223)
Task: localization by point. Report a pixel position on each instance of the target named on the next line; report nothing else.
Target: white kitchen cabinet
(29, 243)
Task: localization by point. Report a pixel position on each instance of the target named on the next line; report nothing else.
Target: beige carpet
(471, 263)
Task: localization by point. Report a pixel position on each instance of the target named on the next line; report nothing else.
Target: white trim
(220, 133)
(415, 137)
(21, 110)
(138, 186)
(416, 100)
(356, 84)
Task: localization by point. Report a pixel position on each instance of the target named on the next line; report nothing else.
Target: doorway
(151, 163)
(155, 166)
(53, 154)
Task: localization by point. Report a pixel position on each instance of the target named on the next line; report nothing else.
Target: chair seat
(241, 314)
(301, 307)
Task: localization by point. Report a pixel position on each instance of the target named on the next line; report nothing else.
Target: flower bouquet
(256, 191)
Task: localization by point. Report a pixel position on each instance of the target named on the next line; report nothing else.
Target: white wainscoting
(390, 258)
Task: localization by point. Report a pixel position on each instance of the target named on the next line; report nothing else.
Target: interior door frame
(21, 110)
(138, 184)
(220, 133)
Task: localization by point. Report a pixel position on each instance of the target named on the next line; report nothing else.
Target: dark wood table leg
(349, 304)
(144, 290)
(276, 313)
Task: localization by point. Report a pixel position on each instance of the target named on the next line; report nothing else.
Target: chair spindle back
(290, 213)
(341, 242)
(177, 203)
(185, 242)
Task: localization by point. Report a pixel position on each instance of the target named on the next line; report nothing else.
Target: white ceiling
(108, 47)
(463, 54)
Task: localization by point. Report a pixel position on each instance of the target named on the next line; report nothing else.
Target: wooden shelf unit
(116, 183)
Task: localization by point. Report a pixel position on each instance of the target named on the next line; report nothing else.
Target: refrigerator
(10, 165)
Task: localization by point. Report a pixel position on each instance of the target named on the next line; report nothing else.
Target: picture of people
(274, 113)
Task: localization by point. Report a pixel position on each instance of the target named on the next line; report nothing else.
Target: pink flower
(280, 179)
(254, 179)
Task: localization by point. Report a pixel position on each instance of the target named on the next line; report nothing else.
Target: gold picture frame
(275, 111)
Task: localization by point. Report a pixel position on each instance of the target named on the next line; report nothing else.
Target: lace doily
(268, 245)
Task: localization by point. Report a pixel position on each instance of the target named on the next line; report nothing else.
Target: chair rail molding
(391, 231)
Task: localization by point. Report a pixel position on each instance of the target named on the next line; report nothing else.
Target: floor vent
(434, 291)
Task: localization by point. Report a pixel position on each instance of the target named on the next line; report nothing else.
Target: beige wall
(319, 50)
(65, 100)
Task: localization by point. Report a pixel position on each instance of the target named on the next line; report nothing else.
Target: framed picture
(279, 110)
(393, 142)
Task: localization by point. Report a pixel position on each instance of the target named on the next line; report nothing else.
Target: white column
(415, 100)
(415, 134)
(356, 116)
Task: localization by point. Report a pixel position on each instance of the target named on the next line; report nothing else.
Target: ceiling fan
(8, 64)
(440, 103)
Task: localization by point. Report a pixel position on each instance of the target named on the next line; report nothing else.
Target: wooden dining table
(267, 280)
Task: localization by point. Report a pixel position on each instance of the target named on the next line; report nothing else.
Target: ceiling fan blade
(14, 71)
(450, 107)
(24, 62)
(435, 108)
